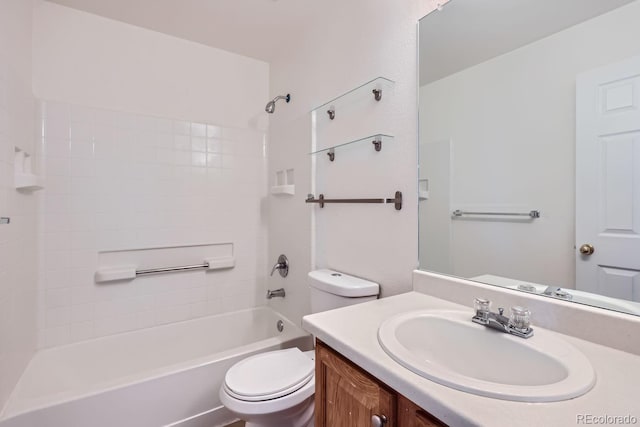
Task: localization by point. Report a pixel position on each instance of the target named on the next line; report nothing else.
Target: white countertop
(352, 331)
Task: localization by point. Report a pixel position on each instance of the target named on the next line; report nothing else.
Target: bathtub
(163, 376)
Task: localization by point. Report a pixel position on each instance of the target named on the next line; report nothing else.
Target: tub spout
(278, 293)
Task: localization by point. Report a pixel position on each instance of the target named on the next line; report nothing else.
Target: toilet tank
(331, 289)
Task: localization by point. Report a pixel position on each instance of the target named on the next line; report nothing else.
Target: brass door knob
(587, 249)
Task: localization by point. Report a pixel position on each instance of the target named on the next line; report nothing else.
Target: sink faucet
(557, 293)
(517, 324)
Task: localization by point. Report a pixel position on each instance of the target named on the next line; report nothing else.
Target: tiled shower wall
(117, 181)
(18, 240)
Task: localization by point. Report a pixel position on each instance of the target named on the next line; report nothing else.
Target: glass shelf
(377, 141)
(379, 84)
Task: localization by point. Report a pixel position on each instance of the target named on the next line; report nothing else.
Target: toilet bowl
(276, 389)
(273, 389)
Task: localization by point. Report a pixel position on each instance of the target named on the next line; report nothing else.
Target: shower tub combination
(163, 376)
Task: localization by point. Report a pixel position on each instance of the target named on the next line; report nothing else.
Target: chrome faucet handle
(278, 266)
(282, 266)
(482, 305)
(520, 318)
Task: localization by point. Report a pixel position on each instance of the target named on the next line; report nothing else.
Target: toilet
(276, 388)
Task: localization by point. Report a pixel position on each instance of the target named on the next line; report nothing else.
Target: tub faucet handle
(282, 266)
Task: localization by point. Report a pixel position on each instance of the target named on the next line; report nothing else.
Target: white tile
(130, 181)
(57, 297)
(126, 120)
(56, 147)
(57, 279)
(181, 127)
(51, 337)
(164, 125)
(56, 260)
(214, 160)
(83, 240)
(145, 319)
(57, 166)
(214, 131)
(114, 325)
(81, 331)
(55, 130)
(163, 140)
(82, 114)
(182, 142)
(82, 313)
(81, 132)
(82, 295)
(147, 123)
(83, 221)
(198, 129)
(58, 316)
(214, 145)
(57, 223)
(199, 159)
(198, 143)
(83, 149)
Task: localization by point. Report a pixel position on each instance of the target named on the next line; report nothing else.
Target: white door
(608, 180)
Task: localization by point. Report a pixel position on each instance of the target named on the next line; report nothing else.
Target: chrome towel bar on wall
(397, 200)
(531, 214)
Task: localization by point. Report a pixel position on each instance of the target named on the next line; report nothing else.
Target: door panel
(608, 179)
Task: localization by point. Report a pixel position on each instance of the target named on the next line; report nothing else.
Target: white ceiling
(254, 28)
(468, 32)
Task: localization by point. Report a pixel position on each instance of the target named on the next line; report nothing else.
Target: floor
(236, 424)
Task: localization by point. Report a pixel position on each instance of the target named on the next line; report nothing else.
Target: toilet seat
(269, 376)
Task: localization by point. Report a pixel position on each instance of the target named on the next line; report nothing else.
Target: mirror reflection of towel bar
(532, 214)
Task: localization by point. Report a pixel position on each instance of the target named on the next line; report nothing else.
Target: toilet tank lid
(342, 284)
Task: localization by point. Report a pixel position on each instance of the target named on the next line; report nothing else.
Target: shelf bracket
(377, 94)
(332, 113)
(377, 144)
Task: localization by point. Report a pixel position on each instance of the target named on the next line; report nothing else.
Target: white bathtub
(163, 376)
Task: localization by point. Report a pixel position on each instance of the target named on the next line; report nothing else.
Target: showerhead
(271, 105)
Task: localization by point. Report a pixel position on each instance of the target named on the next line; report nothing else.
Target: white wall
(148, 141)
(83, 59)
(511, 121)
(18, 252)
(347, 45)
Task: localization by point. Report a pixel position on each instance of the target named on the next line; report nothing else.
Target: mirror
(530, 147)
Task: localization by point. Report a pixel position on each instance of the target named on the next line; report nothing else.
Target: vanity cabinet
(411, 415)
(347, 396)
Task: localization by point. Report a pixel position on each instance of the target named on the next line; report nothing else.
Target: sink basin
(446, 347)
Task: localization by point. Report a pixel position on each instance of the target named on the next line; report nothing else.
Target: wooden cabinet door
(411, 415)
(346, 396)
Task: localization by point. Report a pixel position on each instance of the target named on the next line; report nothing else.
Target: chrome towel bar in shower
(397, 200)
(170, 269)
(532, 214)
(130, 272)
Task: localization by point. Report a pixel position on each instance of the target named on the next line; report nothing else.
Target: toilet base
(303, 418)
